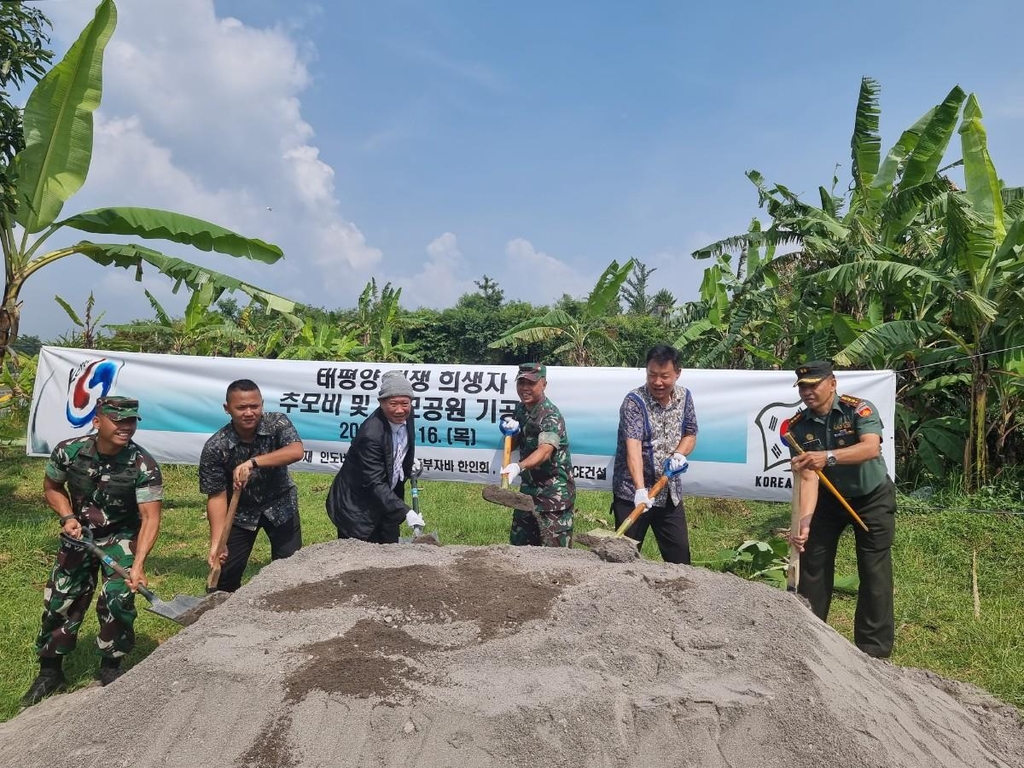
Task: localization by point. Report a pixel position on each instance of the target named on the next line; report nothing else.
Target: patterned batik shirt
(106, 491)
(659, 428)
(269, 490)
(551, 484)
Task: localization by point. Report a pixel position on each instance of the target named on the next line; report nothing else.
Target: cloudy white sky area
(428, 142)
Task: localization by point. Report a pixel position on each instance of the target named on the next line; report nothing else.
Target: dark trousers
(383, 533)
(873, 623)
(668, 523)
(285, 541)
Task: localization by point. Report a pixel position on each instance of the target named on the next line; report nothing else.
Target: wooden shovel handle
(229, 520)
(827, 483)
(506, 459)
(657, 488)
(793, 570)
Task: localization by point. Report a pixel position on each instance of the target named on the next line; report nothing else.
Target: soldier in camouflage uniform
(544, 462)
(657, 431)
(106, 487)
(250, 455)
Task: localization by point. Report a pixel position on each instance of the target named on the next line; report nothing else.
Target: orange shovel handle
(827, 483)
(657, 488)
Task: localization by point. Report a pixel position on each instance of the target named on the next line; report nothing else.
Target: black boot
(49, 681)
(110, 670)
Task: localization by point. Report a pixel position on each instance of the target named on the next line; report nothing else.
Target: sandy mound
(351, 654)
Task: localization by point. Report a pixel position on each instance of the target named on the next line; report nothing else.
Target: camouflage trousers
(70, 589)
(541, 529)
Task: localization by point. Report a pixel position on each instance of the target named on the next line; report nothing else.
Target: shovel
(229, 520)
(657, 488)
(175, 610)
(502, 494)
(418, 537)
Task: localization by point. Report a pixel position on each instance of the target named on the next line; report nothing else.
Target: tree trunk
(10, 316)
(976, 449)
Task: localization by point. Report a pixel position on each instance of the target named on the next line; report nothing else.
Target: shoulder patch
(797, 416)
(850, 400)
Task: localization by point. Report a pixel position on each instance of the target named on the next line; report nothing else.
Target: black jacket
(362, 498)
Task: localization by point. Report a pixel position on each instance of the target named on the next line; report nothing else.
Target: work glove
(676, 464)
(509, 426)
(511, 471)
(641, 497)
(417, 467)
(414, 519)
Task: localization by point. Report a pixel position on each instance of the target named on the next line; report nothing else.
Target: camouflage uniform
(551, 484)
(105, 494)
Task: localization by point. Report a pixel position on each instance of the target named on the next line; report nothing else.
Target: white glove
(511, 471)
(509, 426)
(414, 519)
(641, 497)
(417, 467)
(677, 463)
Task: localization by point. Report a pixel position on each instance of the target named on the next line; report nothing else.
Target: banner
(739, 453)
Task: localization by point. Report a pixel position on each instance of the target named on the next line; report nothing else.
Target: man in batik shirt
(657, 431)
(250, 455)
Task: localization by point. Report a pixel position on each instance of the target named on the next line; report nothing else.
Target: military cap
(118, 407)
(813, 372)
(532, 372)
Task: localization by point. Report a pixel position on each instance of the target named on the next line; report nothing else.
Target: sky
(429, 142)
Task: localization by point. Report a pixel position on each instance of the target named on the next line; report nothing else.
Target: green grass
(936, 628)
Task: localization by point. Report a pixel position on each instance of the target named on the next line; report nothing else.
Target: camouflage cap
(118, 407)
(532, 372)
(813, 372)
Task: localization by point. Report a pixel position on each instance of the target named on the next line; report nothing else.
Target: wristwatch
(830, 459)
(253, 462)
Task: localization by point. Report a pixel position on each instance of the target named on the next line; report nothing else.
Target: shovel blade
(508, 498)
(176, 609)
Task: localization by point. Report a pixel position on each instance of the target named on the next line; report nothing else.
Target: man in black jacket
(366, 500)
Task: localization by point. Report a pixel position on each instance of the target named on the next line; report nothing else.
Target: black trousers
(383, 533)
(667, 522)
(285, 541)
(873, 622)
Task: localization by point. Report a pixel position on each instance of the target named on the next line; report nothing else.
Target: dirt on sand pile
(351, 654)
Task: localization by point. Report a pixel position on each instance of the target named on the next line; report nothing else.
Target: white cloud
(437, 284)
(203, 115)
(547, 277)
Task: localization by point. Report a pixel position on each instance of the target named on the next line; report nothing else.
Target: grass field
(936, 627)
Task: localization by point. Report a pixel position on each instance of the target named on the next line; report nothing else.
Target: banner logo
(87, 383)
(773, 423)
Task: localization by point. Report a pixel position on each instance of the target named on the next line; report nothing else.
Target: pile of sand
(351, 654)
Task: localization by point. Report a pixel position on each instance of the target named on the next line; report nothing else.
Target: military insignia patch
(864, 410)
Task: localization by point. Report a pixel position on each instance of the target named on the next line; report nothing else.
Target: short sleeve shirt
(105, 491)
(849, 418)
(659, 428)
(269, 490)
(551, 484)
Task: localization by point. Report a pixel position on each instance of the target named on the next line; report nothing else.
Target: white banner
(738, 454)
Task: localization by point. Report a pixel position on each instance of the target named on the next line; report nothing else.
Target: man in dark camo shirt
(250, 455)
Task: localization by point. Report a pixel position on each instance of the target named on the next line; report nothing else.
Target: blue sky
(428, 143)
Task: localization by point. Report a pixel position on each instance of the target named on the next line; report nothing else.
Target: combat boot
(107, 675)
(48, 681)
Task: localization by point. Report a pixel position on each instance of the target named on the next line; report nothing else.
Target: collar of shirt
(235, 439)
(835, 407)
(677, 393)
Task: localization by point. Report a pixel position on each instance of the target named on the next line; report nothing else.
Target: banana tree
(53, 166)
(587, 335)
